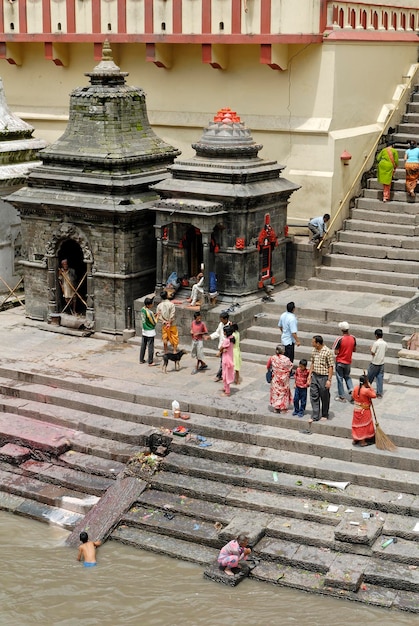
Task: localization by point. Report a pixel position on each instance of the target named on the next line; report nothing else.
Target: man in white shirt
(288, 326)
(376, 367)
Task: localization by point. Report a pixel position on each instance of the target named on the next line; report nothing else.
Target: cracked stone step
(70, 478)
(324, 282)
(165, 544)
(292, 496)
(176, 525)
(56, 496)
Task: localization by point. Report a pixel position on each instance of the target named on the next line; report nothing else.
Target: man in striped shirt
(320, 379)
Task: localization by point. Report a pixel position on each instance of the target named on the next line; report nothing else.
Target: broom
(382, 441)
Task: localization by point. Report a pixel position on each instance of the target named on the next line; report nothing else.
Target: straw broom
(382, 441)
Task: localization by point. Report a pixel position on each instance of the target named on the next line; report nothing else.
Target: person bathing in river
(232, 553)
(87, 550)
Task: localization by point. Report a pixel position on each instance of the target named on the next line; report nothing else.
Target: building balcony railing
(207, 22)
(180, 20)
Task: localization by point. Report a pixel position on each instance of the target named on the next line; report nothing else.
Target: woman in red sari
(280, 397)
(363, 430)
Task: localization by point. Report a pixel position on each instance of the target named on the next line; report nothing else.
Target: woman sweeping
(411, 165)
(280, 397)
(363, 430)
(387, 161)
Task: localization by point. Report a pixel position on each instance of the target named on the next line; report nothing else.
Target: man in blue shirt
(317, 227)
(289, 328)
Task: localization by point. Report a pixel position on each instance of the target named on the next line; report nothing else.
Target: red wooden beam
(236, 16)
(122, 16)
(206, 16)
(23, 20)
(71, 15)
(96, 16)
(265, 17)
(148, 17)
(177, 16)
(46, 16)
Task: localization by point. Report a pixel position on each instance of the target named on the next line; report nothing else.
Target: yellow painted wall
(329, 99)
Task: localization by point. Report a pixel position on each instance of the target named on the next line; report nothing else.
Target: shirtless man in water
(87, 550)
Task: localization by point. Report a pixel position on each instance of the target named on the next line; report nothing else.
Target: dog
(171, 356)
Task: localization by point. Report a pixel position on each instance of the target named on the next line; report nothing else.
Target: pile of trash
(143, 465)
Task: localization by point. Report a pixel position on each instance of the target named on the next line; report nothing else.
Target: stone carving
(69, 231)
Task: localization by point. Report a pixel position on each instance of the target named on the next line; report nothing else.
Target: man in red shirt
(344, 347)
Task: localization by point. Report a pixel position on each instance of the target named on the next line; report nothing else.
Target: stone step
(379, 239)
(360, 328)
(398, 184)
(370, 201)
(299, 556)
(384, 216)
(288, 463)
(164, 544)
(409, 268)
(410, 117)
(349, 284)
(396, 196)
(195, 530)
(70, 478)
(407, 129)
(39, 511)
(392, 279)
(45, 438)
(64, 407)
(91, 464)
(394, 229)
(266, 338)
(396, 577)
(295, 496)
(32, 488)
(373, 251)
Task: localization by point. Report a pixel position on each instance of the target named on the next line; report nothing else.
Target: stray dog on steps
(170, 356)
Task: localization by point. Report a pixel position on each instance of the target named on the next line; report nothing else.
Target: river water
(43, 584)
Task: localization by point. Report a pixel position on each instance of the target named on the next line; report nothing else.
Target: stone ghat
(64, 455)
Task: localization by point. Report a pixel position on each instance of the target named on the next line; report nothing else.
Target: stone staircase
(378, 249)
(66, 440)
(260, 339)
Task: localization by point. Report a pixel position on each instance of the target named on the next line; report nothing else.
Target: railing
(371, 17)
(397, 111)
(262, 21)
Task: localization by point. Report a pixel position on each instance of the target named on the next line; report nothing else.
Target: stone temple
(109, 213)
(89, 202)
(225, 211)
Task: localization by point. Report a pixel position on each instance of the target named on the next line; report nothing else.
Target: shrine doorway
(71, 283)
(192, 243)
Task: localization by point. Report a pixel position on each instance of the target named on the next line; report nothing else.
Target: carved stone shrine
(224, 211)
(87, 207)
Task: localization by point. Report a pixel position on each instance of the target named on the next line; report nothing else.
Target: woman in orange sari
(363, 430)
(280, 397)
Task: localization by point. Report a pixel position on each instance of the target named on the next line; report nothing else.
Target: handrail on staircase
(363, 168)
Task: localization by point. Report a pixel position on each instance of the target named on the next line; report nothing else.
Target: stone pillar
(206, 240)
(52, 281)
(159, 260)
(90, 309)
